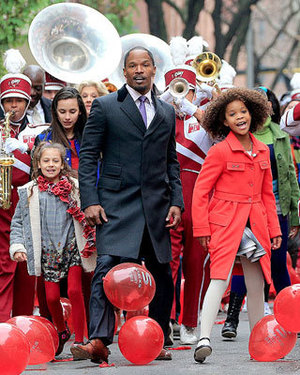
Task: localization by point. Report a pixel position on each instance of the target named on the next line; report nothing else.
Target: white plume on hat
(226, 75)
(13, 61)
(295, 81)
(178, 50)
(195, 45)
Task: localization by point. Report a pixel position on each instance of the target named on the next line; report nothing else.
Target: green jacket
(287, 181)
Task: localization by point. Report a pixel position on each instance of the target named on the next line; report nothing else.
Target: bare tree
(231, 20)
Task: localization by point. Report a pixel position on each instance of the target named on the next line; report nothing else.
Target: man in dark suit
(138, 198)
(39, 111)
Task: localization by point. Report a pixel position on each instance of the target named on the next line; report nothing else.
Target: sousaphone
(74, 42)
(159, 49)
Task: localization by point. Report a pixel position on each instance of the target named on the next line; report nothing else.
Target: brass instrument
(207, 66)
(179, 88)
(74, 42)
(6, 163)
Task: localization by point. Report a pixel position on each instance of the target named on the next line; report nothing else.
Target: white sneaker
(176, 331)
(267, 309)
(188, 335)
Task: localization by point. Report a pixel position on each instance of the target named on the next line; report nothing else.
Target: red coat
(242, 188)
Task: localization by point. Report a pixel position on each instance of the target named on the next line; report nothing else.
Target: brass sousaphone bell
(74, 42)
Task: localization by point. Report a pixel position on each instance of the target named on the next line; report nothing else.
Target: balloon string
(105, 364)
(181, 348)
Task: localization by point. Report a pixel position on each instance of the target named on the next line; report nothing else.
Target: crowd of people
(202, 187)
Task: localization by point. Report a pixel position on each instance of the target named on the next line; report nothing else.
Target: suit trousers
(102, 318)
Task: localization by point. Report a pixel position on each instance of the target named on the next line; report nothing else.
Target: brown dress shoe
(164, 355)
(94, 350)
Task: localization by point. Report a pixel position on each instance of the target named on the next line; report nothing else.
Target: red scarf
(62, 189)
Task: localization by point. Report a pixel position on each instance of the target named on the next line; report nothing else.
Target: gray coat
(139, 177)
(25, 235)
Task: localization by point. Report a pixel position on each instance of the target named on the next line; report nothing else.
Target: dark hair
(275, 116)
(257, 105)
(58, 133)
(138, 48)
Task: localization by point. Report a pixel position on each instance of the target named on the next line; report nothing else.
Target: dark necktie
(142, 108)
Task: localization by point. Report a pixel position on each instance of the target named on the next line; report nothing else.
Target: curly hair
(257, 105)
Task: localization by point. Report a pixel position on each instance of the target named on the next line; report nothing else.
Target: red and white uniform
(192, 145)
(20, 176)
(290, 121)
(29, 134)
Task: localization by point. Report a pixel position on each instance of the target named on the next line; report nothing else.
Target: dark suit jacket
(139, 177)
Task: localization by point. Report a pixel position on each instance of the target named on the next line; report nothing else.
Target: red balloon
(67, 311)
(269, 341)
(141, 340)
(129, 286)
(67, 307)
(143, 312)
(287, 308)
(51, 328)
(40, 340)
(14, 350)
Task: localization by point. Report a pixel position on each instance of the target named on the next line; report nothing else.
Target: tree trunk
(156, 19)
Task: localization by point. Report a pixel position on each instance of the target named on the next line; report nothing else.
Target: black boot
(229, 329)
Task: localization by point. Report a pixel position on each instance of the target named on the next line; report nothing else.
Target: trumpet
(179, 87)
(207, 66)
(6, 163)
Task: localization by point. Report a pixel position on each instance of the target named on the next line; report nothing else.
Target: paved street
(228, 357)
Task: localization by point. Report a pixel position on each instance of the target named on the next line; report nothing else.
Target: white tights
(255, 297)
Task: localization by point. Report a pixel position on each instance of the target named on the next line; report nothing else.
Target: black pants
(102, 318)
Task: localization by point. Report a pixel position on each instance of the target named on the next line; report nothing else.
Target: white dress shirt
(149, 105)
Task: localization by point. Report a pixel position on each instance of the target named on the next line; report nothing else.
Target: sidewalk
(228, 357)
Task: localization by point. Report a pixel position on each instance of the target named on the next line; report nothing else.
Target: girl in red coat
(233, 209)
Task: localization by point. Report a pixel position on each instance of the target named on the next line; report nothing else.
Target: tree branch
(284, 63)
(194, 9)
(282, 28)
(239, 41)
(177, 9)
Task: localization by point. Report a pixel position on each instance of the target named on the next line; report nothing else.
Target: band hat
(295, 95)
(52, 83)
(185, 71)
(295, 84)
(15, 85)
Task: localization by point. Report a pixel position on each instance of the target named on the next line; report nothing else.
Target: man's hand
(204, 242)
(276, 243)
(94, 214)
(19, 256)
(174, 217)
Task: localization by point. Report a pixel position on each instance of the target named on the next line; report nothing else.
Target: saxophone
(6, 163)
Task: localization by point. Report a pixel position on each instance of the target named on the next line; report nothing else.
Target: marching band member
(52, 86)
(290, 121)
(15, 98)
(192, 144)
(39, 111)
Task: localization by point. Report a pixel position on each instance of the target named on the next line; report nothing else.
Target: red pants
(76, 299)
(195, 270)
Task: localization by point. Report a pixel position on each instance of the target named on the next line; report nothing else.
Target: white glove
(12, 144)
(166, 97)
(186, 107)
(203, 92)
